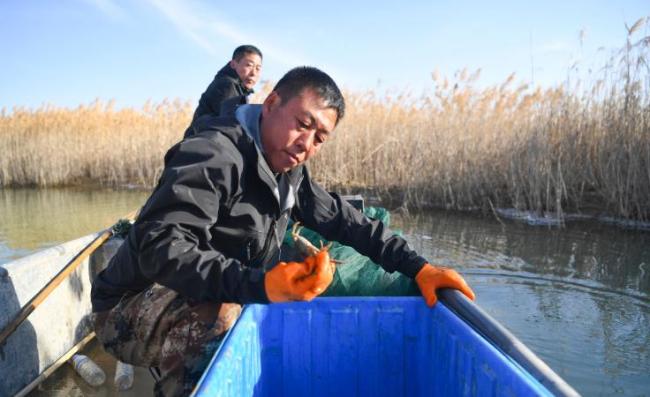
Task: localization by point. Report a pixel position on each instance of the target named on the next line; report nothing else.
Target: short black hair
(245, 49)
(299, 79)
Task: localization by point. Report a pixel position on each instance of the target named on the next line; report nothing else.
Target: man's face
(294, 131)
(248, 69)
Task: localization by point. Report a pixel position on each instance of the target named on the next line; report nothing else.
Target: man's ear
(272, 101)
(232, 63)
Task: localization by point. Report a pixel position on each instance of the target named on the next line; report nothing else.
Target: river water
(579, 297)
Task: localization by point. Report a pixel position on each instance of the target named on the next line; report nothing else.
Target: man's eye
(302, 126)
(320, 138)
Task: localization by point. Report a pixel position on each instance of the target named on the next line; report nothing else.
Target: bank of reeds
(96, 144)
(548, 150)
(456, 146)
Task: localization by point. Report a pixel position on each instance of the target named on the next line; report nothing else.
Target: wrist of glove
(430, 278)
(299, 281)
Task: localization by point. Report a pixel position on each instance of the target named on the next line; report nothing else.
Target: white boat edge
(59, 322)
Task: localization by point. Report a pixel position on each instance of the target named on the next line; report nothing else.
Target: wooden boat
(376, 346)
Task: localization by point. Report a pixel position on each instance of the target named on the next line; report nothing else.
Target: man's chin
(282, 163)
(288, 168)
(283, 168)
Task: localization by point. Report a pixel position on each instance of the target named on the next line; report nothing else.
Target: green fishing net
(357, 275)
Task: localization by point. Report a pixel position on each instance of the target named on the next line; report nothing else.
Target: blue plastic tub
(360, 347)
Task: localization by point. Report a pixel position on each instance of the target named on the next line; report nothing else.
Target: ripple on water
(597, 339)
(579, 297)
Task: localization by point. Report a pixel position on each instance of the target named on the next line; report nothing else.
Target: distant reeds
(456, 146)
(96, 144)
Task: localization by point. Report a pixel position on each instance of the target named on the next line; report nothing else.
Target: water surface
(579, 297)
(33, 219)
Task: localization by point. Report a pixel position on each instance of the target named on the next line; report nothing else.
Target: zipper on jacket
(269, 237)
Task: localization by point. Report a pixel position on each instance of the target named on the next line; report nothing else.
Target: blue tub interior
(379, 346)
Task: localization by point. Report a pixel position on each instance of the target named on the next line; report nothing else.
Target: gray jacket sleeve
(337, 220)
(173, 230)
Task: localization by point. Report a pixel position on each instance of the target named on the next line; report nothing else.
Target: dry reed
(458, 146)
(54, 146)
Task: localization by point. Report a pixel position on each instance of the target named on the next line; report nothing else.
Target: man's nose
(304, 141)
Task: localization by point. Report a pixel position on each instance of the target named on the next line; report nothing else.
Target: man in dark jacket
(236, 79)
(209, 237)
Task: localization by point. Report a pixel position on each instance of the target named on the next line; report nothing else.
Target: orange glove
(430, 278)
(299, 281)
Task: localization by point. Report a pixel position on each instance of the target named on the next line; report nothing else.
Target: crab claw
(327, 247)
(295, 229)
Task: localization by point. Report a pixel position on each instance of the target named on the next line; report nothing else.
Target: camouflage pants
(160, 328)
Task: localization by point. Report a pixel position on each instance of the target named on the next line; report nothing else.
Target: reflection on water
(579, 297)
(586, 251)
(32, 219)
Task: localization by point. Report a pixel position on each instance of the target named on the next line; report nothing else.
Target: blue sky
(70, 52)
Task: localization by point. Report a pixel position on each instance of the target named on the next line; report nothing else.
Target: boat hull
(59, 322)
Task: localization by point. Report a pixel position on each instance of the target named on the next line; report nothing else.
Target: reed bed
(545, 151)
(574, 147)
(92, 144)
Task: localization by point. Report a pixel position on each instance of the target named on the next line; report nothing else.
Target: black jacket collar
(228, 72)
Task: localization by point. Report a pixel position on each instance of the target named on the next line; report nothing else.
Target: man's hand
(299, 281)
(430, 278)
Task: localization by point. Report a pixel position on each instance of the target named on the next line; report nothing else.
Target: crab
(306, 248)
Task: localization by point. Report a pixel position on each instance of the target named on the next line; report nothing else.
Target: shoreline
(372, 197)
